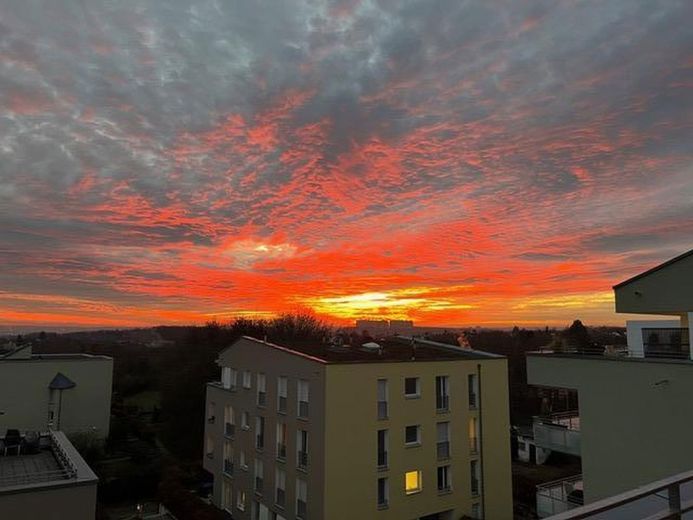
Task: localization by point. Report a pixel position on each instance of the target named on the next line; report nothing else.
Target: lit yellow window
(412, 482)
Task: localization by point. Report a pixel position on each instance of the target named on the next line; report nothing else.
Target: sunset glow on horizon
(481, 163)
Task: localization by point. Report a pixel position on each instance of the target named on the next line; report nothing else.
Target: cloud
(170, 161)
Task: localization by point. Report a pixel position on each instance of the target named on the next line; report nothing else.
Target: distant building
(393, 429)
(635, 409)
(67, 392)
(385, 328)
(50, 481)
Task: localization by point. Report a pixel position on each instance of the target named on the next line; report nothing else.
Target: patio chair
(31, 443)
(13, 439)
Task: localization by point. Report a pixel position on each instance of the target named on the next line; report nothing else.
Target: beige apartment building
(400, 430)
(635, 409)
(66, 392)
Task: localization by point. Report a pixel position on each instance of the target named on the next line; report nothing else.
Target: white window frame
(415, 395)
(417, 442)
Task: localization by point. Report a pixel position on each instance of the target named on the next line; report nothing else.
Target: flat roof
(392, 349)
(655, 268)
(55, 463)
(57, 357)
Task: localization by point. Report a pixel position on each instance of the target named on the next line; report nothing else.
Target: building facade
(634, 416)
(398, 430)
(67, 392)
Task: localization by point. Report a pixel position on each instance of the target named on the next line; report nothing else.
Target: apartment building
(635, 409)
(403, 429)
(67, 392)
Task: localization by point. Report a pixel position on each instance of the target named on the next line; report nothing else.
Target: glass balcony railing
(559, 496)
(559, 432)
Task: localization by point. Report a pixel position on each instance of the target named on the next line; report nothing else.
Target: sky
(454, 162)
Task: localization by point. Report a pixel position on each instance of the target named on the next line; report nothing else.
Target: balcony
(228, 467)
(443, 450)
(281, 497)
(229, 429)
(559, 496)
(669, 343)
(442, 403)
(382, 410)
(262, 399)
(281, 404)
(301, 509)
(281, 451)
(558, 432)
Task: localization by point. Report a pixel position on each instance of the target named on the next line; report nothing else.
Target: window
(260, 432)
(280, 487)
(259, 475)
(245, 421)
(443, 478)
(281, 441)
(475, 477)
(228, 378)
(473, 435)
(281, 394)
(443, 441)
(229, 421)
(442, 393)
(301, 498)
(210, 412)
(383, 492)
(227, 498)
(240, 500)
(228, 458)
(261, 512)
(241, 461)
(412, 482)
(261, 390)
(303, 395)
(382, 399)
(473, 384)
(209, 447)
(476, 511)
(246, 379)
(302, 449)
(412, 387)
(412, 435)
(382, 448)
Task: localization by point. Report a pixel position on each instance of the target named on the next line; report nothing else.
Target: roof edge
(654, 269)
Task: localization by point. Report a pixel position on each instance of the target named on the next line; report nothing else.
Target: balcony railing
(228, 467)
(666, 343)
(443, 450)
(281, 497)
(442, 403)
(229, 429)
(559, 496)
(261, 398)
(281, 404)
(658, 500)
(303, 409)
(382, 459)
(258, 484)
(301, 509)
(281, 451)
(302, 459)
(259, 442)
(382, 409)
(559, 432)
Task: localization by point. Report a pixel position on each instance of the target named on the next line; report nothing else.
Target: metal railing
(259, 482)
(259, 442)
(559, 432)
(628, 503)
(302, 459)
(228, 467)
(281, 404)
(281, 451)
(261, 398)
(558, 496)
(229, 429)
(303, 409)
(442, 403)
(666, 343)
(301, 509)
(280, 497)
(443, 450)
(65, 471)
(382, 459)
(382, 409)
